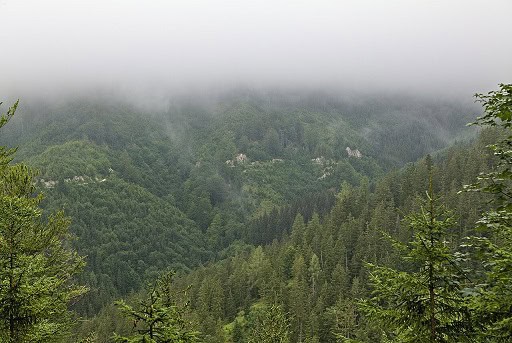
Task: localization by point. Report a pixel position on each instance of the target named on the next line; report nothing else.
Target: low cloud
(454, 47)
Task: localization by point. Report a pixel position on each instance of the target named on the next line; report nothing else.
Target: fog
(146, 47)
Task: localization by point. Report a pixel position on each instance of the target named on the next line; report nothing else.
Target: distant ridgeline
(206, 180)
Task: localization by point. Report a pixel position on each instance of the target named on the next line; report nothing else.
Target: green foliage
(172, 200)
(498, 109)
(158, 318)
(497, 106)
(5, 117)
(74, 158)
(493, 295)
(424, 303)
(128, 234)
(316, 272)
(268, 324)
(138, 194)
(37, 267)
(6, 155)
(287, 272)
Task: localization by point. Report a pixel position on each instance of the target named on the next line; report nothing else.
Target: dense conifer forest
(257, 218)
(255, 171)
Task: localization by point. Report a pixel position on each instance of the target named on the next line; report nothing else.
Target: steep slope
(175, 188)
(316, 273)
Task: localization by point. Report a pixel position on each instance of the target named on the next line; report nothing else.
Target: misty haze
(270, 171)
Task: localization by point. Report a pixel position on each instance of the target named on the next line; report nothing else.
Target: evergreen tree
(36, 265)
(424, 303)
(158, 319)
(298, 298)
(268, 325)
(314, 272)
(215, 232)
(493, 300)
(344, 317)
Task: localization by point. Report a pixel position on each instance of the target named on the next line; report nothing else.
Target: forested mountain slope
(316, 271)
(154, 189)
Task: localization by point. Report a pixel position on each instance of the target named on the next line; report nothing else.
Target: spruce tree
(268, 324)
(493, 296)
(36, 264)
(424, 302)
(157, 318)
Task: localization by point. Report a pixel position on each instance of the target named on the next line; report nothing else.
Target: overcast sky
(453, 46)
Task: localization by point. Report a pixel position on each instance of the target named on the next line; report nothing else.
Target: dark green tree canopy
(36, 264)
(157, 318)
(493, 248)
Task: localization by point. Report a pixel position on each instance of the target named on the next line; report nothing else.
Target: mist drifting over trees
(271, 171)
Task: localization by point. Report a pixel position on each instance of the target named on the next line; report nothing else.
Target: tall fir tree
(158, 318)
(493, 297)
(268, 324)
(425, 302)
(36, 264)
